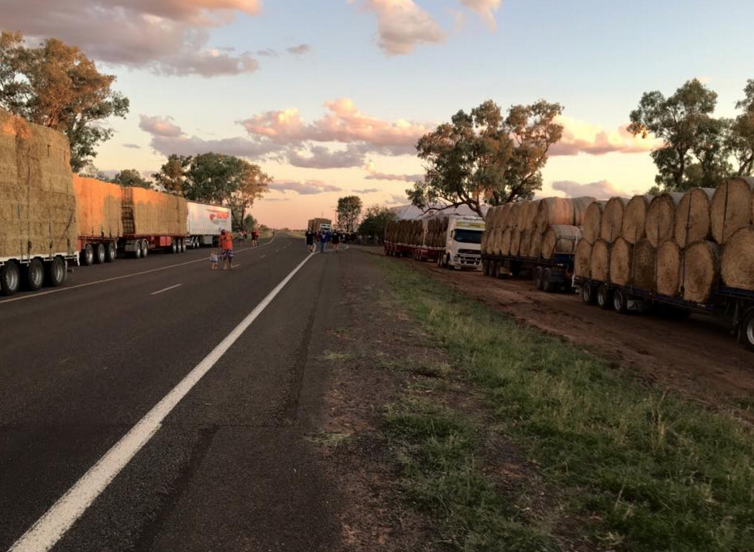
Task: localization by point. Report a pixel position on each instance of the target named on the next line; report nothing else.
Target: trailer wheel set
(32, 275)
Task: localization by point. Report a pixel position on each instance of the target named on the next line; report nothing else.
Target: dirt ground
(695, 356)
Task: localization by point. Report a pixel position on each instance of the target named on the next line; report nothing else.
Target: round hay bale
(731, 208)
(560, 238)
(583, 259)
(692, 216)
(521, 215)
(701, 264)
(612, 219)
(525, 245)
(668, 280)
(515, 242)
(504, 215)
(660, 223)
(488, 229)
(529, 219)
(634, 218)
(505, 242)
(590, 226)
(513, 215)
(535, 249)
(554, 210)
(580, 206)
(599, 265)
(738, 260)
(643, 265)
(621, 255)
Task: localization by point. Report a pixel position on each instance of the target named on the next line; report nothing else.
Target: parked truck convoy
(453, 241)
(50, 218)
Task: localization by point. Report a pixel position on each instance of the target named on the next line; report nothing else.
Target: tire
(87, 255)
(547, 285)
(604, 298)
(100, 254)
(56, 272)
(588, 294)
(111, 252)
(137, 251)
(181, 246)
(10, 278)
(174, 247)
(746, 330)
(144, 248)
(34, 275)
(538, 278)
(620, 302)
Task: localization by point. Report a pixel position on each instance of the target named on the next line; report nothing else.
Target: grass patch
(332, 440)
(332, 356)
(654, 471)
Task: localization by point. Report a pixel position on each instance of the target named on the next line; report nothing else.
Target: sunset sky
(330, 96)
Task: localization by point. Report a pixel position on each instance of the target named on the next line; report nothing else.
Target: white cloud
(600, 190)
(583, 137)
(368, 191)
(307, 187)
(160, 126)
(320, 157)
(402, 25)
(485, 9)
(299, 50)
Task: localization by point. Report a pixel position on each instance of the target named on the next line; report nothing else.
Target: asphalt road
(230, 467)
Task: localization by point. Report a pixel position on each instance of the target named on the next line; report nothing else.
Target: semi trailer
(205, 222)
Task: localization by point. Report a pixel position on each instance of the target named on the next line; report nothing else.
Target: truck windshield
(468, 236)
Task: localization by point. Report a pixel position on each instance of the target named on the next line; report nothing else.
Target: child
(213, 259)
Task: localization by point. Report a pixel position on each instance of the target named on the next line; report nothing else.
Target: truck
(463, 239)
(38, 227)
(319, 225)
(153, 221)
(99, 208)
(205, 222)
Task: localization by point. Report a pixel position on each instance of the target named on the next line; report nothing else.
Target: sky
(330, 96)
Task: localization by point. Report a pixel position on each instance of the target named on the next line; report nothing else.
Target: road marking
(263, 256)
(124, 277)
(235, 266)
(56, 522)
(166, 289)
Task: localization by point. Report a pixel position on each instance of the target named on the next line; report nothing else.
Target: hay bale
(503, 216)
(513, 215)
(611, 224)
(583, 259)
(731, 208)
(692, 222)
(643, 265)
(535, 249)
(599, 265)
(150, 213)
(554, 210)
(528, 215)
(621, 256)
(580, 206)
(668, 280)
(98, 208)
(700, 268)
(525, 245)
(560, 238)
(635, 217)
(737, 269)
(505, 242)
(660, 223)
(515, 242)
(590, 227)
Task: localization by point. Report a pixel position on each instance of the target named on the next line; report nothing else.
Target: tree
(250, 184)
(375, 221)
(212, 178)
(349, 209)
(130, 178)
(740, 141)
(483, 157)
(249, 223)
(172, 175)
(693, 153)
(91, 171)
(57, 86)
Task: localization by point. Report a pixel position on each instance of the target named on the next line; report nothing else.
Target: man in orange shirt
(226, 246)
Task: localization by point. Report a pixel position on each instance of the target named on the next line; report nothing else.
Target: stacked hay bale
(37, 202)
(98, 208)
(149, 213)
(436, 232)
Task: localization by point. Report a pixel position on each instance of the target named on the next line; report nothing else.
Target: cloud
(582, 137)
(300, 50)
(485, 9)
(166, 36)
(267, 52)
(368, 191)
(402, 25)
(307, 187)
(276, 199)
(395, 177)
(320, 157)
(132, 146)
(160, 126)
(396, 199)
(342, 123)
(600, 190)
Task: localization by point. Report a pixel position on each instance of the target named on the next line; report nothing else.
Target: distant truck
(205, 222)
(463, 243)
(320, 225)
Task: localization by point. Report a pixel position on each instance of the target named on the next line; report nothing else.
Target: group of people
(334, 238)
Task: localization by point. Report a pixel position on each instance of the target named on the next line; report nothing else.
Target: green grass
(654, 472)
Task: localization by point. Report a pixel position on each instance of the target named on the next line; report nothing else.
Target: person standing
(226, 247)
(324, 236)
(310, 240)
(335, 241)
(255, 238)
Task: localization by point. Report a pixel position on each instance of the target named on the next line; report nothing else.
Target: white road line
(166, 289)
(124, 277)
(51, 527)
(263, 256)
(235, 266)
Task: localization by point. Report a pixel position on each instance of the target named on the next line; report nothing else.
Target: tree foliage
(251, 184)
(740, 141)
(349, 210)
(375, 221)
(57, 86)
(172, 175)
(131, 178)
(484, 157)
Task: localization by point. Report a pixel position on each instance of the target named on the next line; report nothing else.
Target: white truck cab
(463, 243)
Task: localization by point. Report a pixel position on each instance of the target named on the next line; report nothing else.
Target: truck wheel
(87, 255)
(34, 275)
(183, 246)
(56, 272)
(111, 253)
(620, 302)
(174, 247)
(99, 253)
(538, 282)
(547, 284)
(137, 250)
(604, 298)
(10, 278)
(587, 294)
(746, 331)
